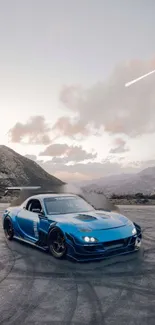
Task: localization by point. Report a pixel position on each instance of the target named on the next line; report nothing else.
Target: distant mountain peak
(17, 170)
(143, 182)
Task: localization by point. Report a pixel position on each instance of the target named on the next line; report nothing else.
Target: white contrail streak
(135, 80)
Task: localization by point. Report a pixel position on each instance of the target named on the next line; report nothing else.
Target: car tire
(57, 243)
(8, 228)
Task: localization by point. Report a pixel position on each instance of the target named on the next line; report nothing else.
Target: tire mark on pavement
(97, 314)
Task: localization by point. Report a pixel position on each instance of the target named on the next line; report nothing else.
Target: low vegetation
(137, 198)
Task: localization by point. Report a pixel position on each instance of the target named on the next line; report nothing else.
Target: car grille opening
(116, 243)
(111, 247)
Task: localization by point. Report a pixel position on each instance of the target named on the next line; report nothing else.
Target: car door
(28, 221)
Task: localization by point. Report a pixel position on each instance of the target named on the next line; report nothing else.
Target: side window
(33, 205)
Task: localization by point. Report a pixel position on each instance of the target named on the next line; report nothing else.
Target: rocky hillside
(143, 182)
(16, 170)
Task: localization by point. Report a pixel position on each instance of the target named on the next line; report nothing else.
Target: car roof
(48, 195)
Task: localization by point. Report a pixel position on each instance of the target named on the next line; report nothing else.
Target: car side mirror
(42, 215)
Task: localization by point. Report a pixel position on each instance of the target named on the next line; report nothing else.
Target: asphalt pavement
(37, 289)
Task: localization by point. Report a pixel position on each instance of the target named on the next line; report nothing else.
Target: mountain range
(143, 182)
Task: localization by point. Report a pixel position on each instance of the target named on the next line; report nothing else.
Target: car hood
(95, 220)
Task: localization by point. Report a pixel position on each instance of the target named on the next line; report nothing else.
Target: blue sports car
(67, 225)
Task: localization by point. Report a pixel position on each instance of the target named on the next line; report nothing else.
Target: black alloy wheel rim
(9, 229)
(58, 244)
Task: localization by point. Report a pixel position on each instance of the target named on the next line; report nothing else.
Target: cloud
(56, 149)
(36, 130)
(69, 153)
(120, 146)
(84, 171)
(70, 127)
(60, 160)
(92, 170)
(111, 105)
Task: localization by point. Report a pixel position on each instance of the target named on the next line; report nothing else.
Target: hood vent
(105, 217)
(85, 217)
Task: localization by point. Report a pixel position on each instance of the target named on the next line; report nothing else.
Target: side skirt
(35, 244)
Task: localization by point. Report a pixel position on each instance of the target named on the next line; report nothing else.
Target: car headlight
(134, 231)
(90, 239)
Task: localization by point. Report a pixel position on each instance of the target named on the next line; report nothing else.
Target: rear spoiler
(98, 201)
(19, 188)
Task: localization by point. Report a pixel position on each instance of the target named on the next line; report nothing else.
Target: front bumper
(98, 251)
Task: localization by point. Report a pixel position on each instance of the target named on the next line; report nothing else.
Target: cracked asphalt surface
(37, 289)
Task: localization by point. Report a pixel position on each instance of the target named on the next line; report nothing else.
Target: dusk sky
(63, 67)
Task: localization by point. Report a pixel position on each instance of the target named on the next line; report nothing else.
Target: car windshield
(65, 205)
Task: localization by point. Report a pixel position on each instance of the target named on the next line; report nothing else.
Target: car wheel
(8, 228)
(57, 244)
